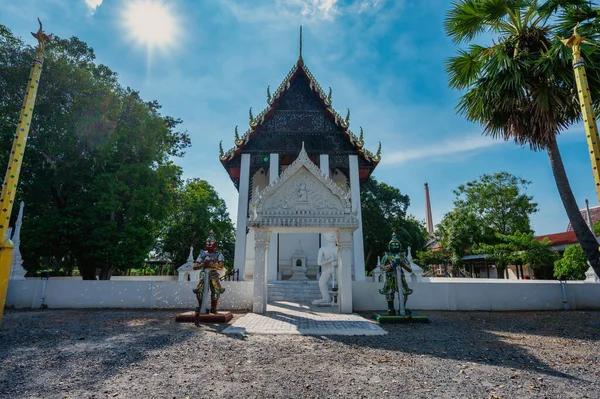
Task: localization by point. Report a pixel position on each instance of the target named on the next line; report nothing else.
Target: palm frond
(464, 68)
(465, 20)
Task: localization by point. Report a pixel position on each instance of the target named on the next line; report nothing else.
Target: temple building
(298, 122)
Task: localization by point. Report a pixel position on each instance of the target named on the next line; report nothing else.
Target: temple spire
(300, 56)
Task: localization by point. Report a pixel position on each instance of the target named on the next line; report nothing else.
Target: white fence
(431, 294)
(482, 294)
(121, 294)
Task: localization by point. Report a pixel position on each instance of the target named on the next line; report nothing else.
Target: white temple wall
(432, 294)
(468, 294)
(71, 294)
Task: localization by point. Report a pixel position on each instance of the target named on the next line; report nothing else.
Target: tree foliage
(384, 212)
(198, 210)
(493, 204)
(520, 249)
(520, 86)
(429, 257)
(572, 265)
(498, 202)
(97, 178)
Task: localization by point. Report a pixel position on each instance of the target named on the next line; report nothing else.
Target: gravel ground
(145, 354)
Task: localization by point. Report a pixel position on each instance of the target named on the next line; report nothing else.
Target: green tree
(498, 202)
(458, 233)
(199, 210)
(521, 86)
(97, 179)
(573, 264)
(519, 249)
(384, 212)
(429, 257)
(493, 204)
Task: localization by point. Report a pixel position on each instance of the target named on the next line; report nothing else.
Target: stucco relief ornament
(302, 196)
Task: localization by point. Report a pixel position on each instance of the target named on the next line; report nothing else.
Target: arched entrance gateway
(298, 196)
(302, 200)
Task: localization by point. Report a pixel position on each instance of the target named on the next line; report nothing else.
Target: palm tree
(521, 86)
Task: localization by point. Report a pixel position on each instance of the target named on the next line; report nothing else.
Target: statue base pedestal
(383, 317)
(299, 275)
(190, 317)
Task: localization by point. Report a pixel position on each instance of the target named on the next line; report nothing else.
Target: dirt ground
(145, 354)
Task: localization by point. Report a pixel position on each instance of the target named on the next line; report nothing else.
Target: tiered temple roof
(299, 111)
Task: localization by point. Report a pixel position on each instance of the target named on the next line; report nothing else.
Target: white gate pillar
(273, 261)
(324, 166)
(261, 248)
(357, 236)
(239, 260)
(345, 271)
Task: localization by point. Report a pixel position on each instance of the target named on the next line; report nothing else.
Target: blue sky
(383, 59)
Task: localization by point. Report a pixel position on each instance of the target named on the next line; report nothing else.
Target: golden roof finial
(41, 37)
(574, 42)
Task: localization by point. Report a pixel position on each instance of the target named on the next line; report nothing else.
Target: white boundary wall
(121, 294)
(482, 294)
(431, 294)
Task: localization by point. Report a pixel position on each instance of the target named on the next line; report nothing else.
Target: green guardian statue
(392, 264)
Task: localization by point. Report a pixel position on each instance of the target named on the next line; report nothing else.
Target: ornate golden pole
(587, 111)
(14, 164)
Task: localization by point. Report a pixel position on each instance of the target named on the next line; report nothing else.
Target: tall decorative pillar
(587, 111)
(273, 261)
(357, 235)
(239, 261)
(261, 248)
(11, 179)
(17, 272)
(345, 271)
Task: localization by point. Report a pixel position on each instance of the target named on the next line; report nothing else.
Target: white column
(261, 246)
(242, 216)
(324, 166)
(272, 263)
(357, 237)
(345, 271)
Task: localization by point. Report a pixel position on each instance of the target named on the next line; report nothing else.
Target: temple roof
(354, 144)
(594, 213)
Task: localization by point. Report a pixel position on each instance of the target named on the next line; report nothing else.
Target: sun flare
(150, 22)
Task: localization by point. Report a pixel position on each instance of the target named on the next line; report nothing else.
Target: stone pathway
(303, 319)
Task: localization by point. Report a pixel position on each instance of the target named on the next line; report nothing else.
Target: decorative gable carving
(302, 196)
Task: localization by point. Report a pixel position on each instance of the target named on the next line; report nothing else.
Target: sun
(151, 23)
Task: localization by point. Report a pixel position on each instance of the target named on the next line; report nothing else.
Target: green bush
(573, 264)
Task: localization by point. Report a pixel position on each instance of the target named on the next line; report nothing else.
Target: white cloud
(431, 152)
(93, 4)
(282, 11)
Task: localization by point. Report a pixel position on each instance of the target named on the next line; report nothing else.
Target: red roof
(594, 212)
(568, 237)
